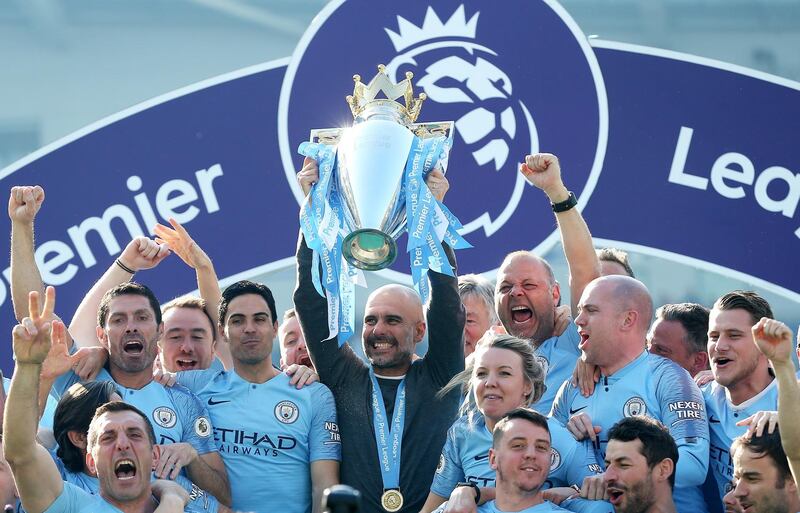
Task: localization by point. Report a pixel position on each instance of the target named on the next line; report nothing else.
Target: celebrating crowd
(521, 403)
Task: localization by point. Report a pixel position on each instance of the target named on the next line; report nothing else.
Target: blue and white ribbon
(429, 224)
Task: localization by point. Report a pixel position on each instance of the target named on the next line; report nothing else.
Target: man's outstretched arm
(544, 171)
(38, 480)
(774, 340)
(181, 243)
(140, 253)
(24, 203)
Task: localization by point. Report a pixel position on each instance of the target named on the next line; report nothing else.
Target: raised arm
(38, 480)
(140, 253)
(24, 203)
(180, 242)
(544, 171)
(311, 308)
(774, 340)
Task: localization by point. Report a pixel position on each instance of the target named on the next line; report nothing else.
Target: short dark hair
(114, 407)
(194, 303)
(693, 318)
(241, 288)
(618, 256)
(768, 444)
(528, 414)
(657, 443)
(748, 300)
(74, 412)
(129, 288)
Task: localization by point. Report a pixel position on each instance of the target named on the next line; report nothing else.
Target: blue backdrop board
(668, 153)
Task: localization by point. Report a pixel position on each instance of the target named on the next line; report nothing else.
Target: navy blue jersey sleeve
(197, 429)
(684, 414)
(325, 442)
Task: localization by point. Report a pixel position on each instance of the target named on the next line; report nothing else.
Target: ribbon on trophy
(322, 223)
(371, 187)
(425, 213)
(429, 224)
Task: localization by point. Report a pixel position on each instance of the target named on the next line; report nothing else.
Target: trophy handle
(433, 129)
(326, 135)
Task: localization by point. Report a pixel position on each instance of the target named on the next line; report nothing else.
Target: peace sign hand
(32, 336)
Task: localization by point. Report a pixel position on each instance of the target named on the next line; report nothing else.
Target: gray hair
(475, 285)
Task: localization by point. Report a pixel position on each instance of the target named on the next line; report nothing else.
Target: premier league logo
(465, 58)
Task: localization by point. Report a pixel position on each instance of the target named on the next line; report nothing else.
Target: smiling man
(292, 341)
(389, 401)
(640, 466)
(743, 383)
(521, 458)
(189, 337)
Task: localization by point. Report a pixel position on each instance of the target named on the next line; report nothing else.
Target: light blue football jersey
(176, 414)
(722, 419)
(268, 434)
(465, 457)
(557, 356)
(659, 388)
(76, 500)
(199, 500)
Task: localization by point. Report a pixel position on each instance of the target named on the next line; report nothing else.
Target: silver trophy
(371, 162)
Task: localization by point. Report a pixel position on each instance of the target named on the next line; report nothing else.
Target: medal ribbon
(389, 439)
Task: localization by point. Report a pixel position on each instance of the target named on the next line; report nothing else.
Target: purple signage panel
(671, 154)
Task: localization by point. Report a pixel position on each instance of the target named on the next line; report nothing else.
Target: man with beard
(392, 389)
(292, 342)
(527, 293)
(743, 382)
(272, 436)
(763, 482)
(128, 325)
(640, 466)
(120, 444)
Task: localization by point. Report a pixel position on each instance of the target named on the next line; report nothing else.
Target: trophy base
(369, 249)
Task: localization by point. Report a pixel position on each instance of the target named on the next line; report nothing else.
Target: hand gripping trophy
(372, 189)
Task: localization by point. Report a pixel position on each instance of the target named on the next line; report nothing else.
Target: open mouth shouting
(721, 362)
(133, 346)
(125, 469)
(186, 364)
(615, 495)
(521, 314)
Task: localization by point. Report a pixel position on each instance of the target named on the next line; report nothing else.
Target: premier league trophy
(371, 188)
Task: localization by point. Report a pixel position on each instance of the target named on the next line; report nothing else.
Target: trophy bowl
(371, 160)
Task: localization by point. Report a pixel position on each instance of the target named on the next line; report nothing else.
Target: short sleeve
(325, 442)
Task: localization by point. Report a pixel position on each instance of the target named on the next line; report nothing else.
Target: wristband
(474, 487)
(567, 204)
(125, 267)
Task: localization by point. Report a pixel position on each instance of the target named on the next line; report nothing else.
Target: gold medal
(392, 500)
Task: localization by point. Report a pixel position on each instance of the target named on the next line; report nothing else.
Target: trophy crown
(366, 95)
